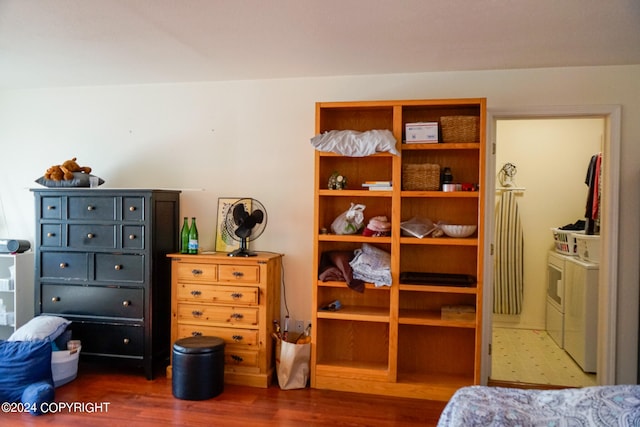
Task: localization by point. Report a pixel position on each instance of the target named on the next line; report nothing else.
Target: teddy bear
(65, 170)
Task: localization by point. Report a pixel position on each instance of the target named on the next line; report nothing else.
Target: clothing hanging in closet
(594, 182)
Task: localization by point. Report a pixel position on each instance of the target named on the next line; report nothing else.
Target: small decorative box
(421, 132)
(458, 312)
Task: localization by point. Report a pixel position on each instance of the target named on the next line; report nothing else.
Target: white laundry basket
(64, 366)
(588, 247)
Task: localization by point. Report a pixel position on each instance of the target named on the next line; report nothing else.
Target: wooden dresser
(232, 298)
(101, 263)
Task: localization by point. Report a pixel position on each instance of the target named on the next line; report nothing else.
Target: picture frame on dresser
(225, 243)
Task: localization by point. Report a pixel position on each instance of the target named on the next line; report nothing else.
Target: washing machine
(581, 312)
(556, 296)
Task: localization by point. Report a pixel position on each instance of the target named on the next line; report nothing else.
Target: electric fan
(244, 222)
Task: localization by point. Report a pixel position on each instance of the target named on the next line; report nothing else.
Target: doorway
(610, 116)
(548, 160)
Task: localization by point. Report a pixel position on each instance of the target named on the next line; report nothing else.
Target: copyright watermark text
(56, 407)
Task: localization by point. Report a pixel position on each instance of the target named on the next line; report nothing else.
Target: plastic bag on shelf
(350, 221)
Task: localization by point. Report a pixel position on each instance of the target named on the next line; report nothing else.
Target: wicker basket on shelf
(460, 128)
(421, 177)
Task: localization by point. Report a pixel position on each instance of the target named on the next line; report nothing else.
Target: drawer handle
(126, 303)
(236, 295)
(196, 272)
(50, 234)
(237, 316)
(63, 265)
(236, 358)
(126, 340)
(55, 299)
(118, 267)
(196, 313)
(132, 208)
(196, 334)
(90, 236)
(237, 338)
(51, 208)
(90, 208)
(132, 237)
(238, 274)
(196, 293)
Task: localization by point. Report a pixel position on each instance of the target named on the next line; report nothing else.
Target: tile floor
(531, 356)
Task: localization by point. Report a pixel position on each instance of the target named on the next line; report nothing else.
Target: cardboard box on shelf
(458, 312)
(423, 132)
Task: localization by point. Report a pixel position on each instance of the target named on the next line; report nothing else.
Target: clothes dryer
(581, 312)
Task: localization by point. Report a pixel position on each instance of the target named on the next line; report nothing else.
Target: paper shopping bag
(292, 364)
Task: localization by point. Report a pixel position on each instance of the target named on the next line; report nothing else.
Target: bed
(483, 406)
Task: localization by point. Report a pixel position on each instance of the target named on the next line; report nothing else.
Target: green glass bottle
(193, 237)
(184, 236)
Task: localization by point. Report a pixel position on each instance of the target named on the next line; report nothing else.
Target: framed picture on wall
(224, 242)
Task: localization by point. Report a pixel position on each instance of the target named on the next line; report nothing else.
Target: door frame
(608, 275)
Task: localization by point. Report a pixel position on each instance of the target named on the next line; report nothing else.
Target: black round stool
(198, 368)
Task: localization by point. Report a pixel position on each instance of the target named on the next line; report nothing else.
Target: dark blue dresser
(101, 263)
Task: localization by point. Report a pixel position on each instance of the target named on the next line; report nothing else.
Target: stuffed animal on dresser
(65, 170)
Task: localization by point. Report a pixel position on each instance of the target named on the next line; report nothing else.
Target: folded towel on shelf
(334, 266)
(372, 265)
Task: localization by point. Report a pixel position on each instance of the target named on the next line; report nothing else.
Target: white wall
(251, 138)
(552, 156)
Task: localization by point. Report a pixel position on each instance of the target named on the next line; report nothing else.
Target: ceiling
(51, 43)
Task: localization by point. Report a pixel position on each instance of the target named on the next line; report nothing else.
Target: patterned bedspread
(483, 406)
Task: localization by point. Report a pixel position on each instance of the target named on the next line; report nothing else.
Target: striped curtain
(508, 277)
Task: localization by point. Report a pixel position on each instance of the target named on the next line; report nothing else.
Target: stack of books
(378, 185)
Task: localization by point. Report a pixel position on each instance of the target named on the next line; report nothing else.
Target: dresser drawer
(109, 339)
(217, 314)
(197, 272)
(133, 208)
(92, 208)
(100, 301)
(51, 207)
(229, 335)
(120, 268)
(132, 237)
(196, 292)
(51, 235)
(239, 358)
(64, 265)
(92, 236)
(239, 273)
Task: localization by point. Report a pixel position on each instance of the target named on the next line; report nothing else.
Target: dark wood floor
(133, 401)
